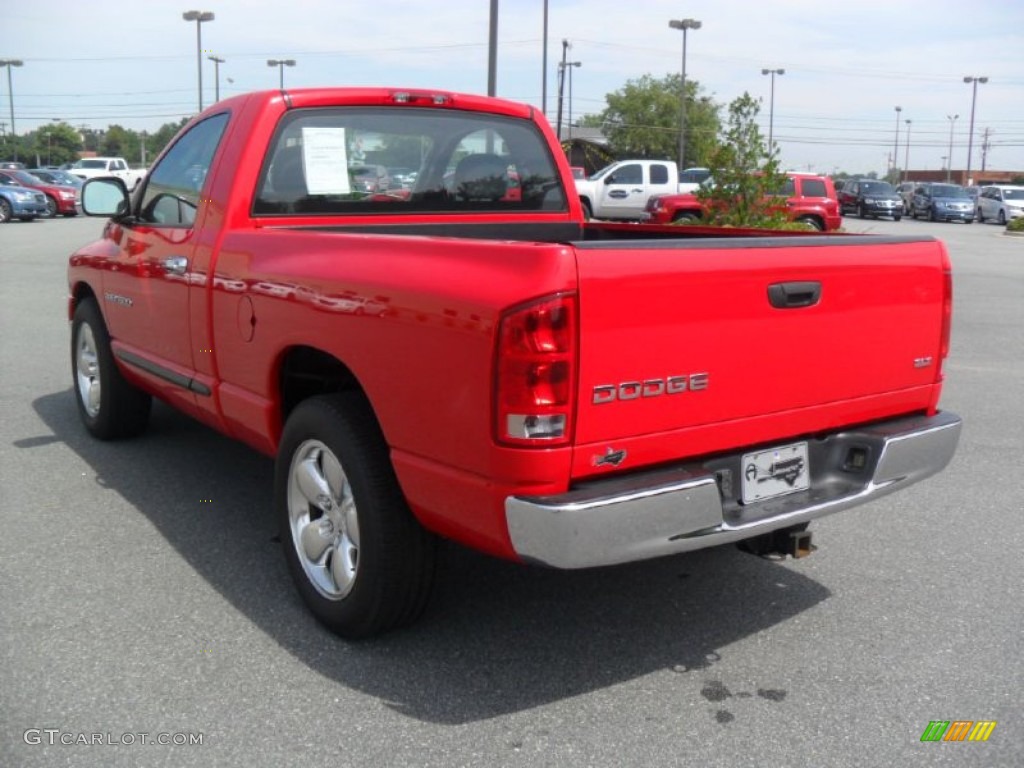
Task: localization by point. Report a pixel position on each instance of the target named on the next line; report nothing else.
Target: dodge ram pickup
(452, 360)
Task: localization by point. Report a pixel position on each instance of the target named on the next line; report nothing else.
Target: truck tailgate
(691, 347)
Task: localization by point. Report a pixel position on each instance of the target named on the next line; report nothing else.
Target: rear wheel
(588, 212)
(813, 222)
(684, 216)
(109, 406)
(359, 558)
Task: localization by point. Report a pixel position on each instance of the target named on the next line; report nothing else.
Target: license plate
(775, 472)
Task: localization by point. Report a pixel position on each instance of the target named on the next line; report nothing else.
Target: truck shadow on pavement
(496, 638)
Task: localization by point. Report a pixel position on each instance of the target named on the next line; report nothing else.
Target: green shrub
(1015, 225)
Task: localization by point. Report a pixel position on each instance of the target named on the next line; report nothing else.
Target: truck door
(623, 194)
(148, 291)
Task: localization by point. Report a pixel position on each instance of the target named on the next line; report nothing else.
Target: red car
(59, 200)
(811, 199)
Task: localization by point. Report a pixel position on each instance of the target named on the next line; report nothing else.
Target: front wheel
(51, 208)
(359, 558)
(685, 217)
(862, 212)
(5, 211)
(896, 218)
(109, 406)
(1001, 218)
(812, 222)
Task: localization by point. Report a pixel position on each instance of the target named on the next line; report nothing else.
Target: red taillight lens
(535, 365)
(947, 315)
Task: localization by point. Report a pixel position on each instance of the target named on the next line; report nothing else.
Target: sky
(847, 66)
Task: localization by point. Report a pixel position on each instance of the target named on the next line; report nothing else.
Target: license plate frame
(776, 471)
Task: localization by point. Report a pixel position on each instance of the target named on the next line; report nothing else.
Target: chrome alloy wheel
(88, 371)
(323, 520)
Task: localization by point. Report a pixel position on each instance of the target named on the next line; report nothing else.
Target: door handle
(176, 265)
(794, 295)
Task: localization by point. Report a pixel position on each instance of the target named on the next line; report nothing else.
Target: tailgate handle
(794, 295)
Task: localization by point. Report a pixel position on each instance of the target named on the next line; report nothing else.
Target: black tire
(5, 211)
(333, 481)
(932, 216)
(685, 216)
(813, 222)
(51, 208)
(861, 212)
(1001, 218)
(896, 218)
(120, 409)
(588, 212)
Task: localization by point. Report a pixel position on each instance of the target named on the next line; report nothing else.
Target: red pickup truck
(457, 361)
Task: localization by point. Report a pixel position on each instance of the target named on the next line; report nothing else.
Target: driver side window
(174, 186)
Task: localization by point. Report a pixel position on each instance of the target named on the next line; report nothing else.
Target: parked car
(942, 202)
(1001, 202)
(18, 202)
(906, 193)
(58, 177)
(59, 200)
(95, 167)
(370, 178)
(870, 197)
(10, 165)
(578, 172)
(809, 198)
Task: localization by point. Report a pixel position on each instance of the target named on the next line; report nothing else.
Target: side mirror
(105, 197)
(609, 179)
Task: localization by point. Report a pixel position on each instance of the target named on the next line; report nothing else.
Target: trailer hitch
(794, 541)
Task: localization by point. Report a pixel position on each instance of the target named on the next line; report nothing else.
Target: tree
(746, 176)
(116, 142)
(642, 120)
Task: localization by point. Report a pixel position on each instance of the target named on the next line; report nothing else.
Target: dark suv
(943, 202)
(870, 197)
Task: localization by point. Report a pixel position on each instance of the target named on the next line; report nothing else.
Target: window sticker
(325, 157)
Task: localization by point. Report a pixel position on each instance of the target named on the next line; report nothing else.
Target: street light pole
(9, 63)
(217, 61)
(771, 103)
(896, 148)
(684, 25)
(906, 157)
(949, 157)
(281, 64)
(199, 17)
(970, 135)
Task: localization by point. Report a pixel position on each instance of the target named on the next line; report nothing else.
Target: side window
(788, 188)
(814, 188)
(659, 174)
(172, 192)
(629, 174)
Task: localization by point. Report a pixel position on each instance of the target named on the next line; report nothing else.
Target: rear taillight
(947, 315)
(535, 373)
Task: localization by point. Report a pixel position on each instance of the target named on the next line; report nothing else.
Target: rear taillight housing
(535, 373)
(947, 317)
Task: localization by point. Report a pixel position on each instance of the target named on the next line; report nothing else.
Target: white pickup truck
(94, 167)
(622, 189)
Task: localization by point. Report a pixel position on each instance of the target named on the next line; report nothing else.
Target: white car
(1001, 202)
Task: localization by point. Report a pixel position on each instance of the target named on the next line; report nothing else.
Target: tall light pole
(281, 64)
(199, 17)
(684, 25)
(217, 61)
(906, 157)
(771, 103)
(566, 45)
(949, 157)
(544, 66)
(970, 135)
(896, 147)
(563, 66)
(9, 63)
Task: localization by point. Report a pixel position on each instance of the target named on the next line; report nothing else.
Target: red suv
(809, 198)
(59, 200)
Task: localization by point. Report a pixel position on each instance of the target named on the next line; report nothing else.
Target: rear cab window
(331, 161)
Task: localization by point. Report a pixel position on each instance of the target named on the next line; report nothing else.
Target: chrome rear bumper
(696, 505)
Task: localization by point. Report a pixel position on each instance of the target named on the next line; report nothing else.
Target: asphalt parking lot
(143, 592)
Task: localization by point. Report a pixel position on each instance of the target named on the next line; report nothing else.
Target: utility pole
(561, 87)
(985, 147)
